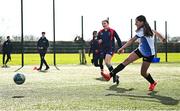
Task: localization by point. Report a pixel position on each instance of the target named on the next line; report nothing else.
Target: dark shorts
(42, 52)
(96, 56)
(147, 59)
(105, 52)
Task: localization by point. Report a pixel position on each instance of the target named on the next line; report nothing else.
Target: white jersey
(146, 44)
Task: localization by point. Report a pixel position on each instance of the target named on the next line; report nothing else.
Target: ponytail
(147, 29)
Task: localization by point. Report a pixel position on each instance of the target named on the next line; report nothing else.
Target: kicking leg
(132, 57)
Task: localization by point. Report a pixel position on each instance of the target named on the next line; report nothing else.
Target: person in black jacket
(42, 47)
(95, 48)
(6, 50)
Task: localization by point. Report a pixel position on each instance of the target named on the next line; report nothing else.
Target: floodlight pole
(54, 36)
(82, 28)
(82, 42)
(166, 49)
(22, 35)
(22, 39)
(155, 40)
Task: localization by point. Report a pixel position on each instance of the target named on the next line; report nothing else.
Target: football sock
(101, 64)
(117, 69)
(110, 68)
(149, 79)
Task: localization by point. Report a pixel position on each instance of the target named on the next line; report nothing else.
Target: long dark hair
(147, 29)
(94, 32)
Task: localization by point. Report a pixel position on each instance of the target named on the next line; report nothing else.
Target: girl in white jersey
(145, 50)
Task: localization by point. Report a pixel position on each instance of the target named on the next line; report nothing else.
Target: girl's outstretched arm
(132, 40)
(159, 36)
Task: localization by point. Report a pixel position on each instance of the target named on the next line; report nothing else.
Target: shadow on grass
(152, 95)
(18, 97)
(18, 69)
(100, 79)
(43, 71)
(164, 99)
(119, 90)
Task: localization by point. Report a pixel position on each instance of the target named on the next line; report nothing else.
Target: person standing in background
(42, 47)
(6, 50)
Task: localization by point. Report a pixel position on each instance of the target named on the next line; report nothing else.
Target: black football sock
(117, 69)
(149, 79)
(114, 76)
(101, 64)
(101, 67)
(110, 68)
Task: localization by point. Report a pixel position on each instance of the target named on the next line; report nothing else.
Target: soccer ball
(19, 79)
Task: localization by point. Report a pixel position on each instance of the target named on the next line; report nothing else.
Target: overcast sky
(38, 16)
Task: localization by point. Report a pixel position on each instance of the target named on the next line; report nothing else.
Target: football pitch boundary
(73, 58)
(80, 87)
